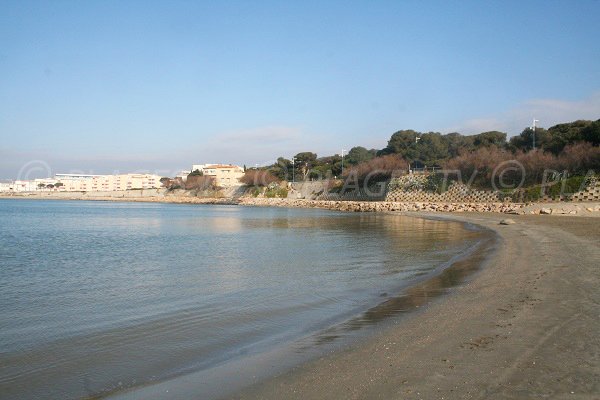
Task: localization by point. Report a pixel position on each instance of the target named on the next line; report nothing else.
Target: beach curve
(525, 327)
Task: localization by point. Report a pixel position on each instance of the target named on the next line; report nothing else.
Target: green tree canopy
(304, 162)
(458, 143)
(564, 134)
(591, 133)
(432, 149)
(525, 140)
(491, 138)
(359, 154)
(403, 143)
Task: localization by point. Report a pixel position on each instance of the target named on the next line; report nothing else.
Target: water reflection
(97, 294)
(417, 295)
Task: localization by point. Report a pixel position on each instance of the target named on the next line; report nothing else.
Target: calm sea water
(97, 297)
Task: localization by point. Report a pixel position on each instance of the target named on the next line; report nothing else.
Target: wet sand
(526, 326)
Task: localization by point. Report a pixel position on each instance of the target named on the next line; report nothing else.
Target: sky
(155, 86)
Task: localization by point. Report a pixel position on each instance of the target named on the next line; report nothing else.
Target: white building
(6, 186)
(85, 183)
(225, 175)
(107, 183)
(200, 167)
(25, 186)
(183, 175)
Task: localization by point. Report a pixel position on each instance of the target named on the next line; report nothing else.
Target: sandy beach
(526, 326)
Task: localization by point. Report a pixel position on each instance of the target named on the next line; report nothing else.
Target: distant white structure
(183, 175)
(7, 186)
(85, 183)
(225, 175)
(31, 185)
(200, 167)
(94, 183)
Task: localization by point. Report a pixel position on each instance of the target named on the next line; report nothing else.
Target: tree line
(563, 146)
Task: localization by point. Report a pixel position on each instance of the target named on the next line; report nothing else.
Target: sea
(108, 299)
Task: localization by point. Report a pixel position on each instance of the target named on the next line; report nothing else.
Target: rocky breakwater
(381, 206)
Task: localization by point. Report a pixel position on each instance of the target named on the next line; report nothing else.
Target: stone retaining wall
(410, 188)
(378, 206)
(589, 209)
(455, 194)
(591, 193)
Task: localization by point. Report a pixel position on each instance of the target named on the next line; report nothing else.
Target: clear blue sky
(99, 86)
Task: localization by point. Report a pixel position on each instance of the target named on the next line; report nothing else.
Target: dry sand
(526, 326)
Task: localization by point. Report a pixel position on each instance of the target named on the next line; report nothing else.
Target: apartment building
(106, 183)
(7, 186)
(225, 175)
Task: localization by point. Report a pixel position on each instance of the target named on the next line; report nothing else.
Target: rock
(507, 221)
(546, 211)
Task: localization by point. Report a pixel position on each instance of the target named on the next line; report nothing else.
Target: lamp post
(417, 138)
(343, 161)
(294, 169)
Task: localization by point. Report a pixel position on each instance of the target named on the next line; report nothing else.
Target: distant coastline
(186, 197)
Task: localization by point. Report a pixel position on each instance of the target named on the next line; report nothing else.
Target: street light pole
(293, 169)
(417, 138)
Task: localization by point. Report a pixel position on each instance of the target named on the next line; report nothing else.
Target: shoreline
(413, 297)
(157, 196)
(525, 326)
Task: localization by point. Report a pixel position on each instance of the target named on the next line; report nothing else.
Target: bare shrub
(482, 163)
(172, 183)
(200, 182)
(579, 158)
(255, 177)
(535, 162)
(378, 168)
(479, 165)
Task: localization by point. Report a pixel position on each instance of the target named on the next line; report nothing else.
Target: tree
(432, 149)
(403, 143)
(491, 138)
(359, 154)
(591, 133)
(526, 139)
(196, 172)
(303, 163)
(565, 134)
(282, 169)
(457, 143)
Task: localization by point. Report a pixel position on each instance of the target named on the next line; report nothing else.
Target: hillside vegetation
(561, 151)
